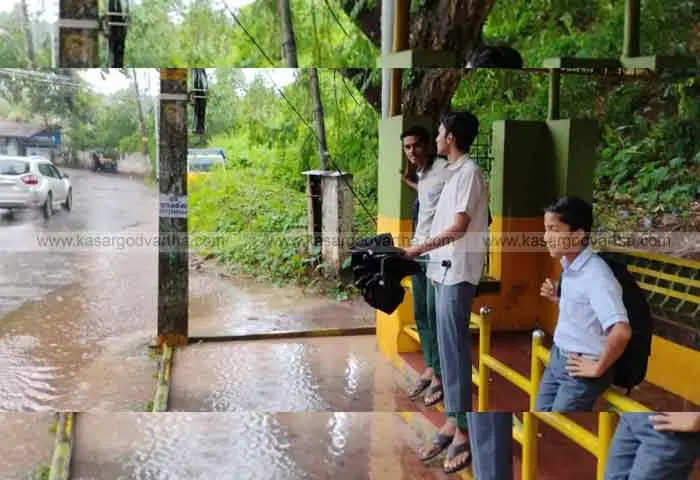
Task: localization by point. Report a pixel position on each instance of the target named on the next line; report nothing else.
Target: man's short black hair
(463, 125)
(573, 211)
(417, 131)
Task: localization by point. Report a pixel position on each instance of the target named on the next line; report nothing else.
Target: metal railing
(595, 443)
(525, 430)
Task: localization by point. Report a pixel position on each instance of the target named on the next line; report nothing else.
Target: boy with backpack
(593, 328)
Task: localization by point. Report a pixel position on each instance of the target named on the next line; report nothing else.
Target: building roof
(21, 130)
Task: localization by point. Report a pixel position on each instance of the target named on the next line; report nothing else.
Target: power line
(335, 17)
(252, 39)
(12, 74)
(313, 131)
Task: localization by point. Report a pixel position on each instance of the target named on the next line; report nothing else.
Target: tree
(289, 44)
(319, 118)
(27, 27)
(427, 91)
(142, 121)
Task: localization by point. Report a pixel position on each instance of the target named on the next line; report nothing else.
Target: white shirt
(465, 191)
(430, 185)
(590, 304)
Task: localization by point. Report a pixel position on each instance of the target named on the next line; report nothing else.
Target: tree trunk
(458, 29)
(319, 118)
(142, 120)
(427, 93)
(27, 27)
(289, 46)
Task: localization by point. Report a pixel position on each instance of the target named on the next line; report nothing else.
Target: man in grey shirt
(432, 174)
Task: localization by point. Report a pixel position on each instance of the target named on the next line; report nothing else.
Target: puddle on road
(233, 306)
(25, 382)
(317, 374)
(31, 446)
(109, 319)
(246, 446)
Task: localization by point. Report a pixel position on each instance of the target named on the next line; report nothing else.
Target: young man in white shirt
(457, 237)
(592, 329)
(432, 174)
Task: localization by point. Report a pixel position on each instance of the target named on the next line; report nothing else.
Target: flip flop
(440, 442)
(419, 388)
(452, 452)
(430, 392)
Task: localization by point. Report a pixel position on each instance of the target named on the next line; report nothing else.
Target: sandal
(452, 452)
(419, 388)
(434, 390)
(440, 442)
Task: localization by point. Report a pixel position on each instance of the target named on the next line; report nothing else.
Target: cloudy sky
(48, 9)
(149, 83)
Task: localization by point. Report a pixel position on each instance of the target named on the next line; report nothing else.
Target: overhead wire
(252, 39)
(330, 159)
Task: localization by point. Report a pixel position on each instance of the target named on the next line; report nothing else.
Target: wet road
(68, 315)
(221, 305)
(248, 446)
(315, 374)
(30, 447)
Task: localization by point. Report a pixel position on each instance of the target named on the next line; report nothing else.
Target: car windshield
(204, 164)
(13, 167)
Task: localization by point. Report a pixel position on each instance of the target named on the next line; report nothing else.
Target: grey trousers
(491, 440)
(638, 452)
(453, 304)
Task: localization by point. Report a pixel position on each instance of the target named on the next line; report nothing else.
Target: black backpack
(631, 367)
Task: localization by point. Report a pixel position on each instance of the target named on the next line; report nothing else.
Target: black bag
(378, 267)
(631, 367)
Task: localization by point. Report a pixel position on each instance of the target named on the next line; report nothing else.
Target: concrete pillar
(330, 215)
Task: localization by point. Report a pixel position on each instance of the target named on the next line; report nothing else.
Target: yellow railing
(526, 432)
(539, 358)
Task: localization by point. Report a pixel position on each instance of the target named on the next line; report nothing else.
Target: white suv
(33, 182)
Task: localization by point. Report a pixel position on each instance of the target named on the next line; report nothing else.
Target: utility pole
(319, 119)
(289, 45)
(78, 34)
(173, 264)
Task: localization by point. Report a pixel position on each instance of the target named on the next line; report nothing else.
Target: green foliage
(650, 129)
(166, 32)
(88, 120)
(43, 473)
(264, 237)
(650, 138)
(268, 147)
(588, 28)
(13, 47)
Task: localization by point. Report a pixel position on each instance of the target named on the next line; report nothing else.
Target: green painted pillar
(554, 94)
(520, 185)
(395, 202)
(574, 142)
(395, 199)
